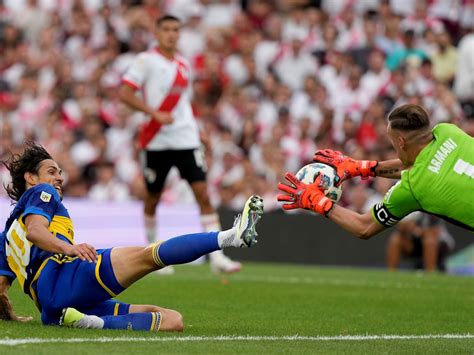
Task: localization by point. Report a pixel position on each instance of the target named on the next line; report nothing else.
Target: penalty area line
(26, 341)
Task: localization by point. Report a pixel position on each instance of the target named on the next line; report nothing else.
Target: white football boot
(244, 236)
(245, 223)
(72, 318)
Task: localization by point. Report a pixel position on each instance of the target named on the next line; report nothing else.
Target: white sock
(150, 227)
(226, 239)
(211, 223)
(90, 322)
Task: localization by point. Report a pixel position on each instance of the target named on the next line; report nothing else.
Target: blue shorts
(71, 282)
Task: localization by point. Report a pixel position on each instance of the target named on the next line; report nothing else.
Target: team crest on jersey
(45, 197)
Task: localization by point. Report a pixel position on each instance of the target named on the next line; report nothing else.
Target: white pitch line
(223, 338)
(271, 279)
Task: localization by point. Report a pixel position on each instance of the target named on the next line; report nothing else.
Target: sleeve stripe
(7, 273)
(35, 210)
(131, 84)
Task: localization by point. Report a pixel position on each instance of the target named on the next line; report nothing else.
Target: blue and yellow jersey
(24, 259)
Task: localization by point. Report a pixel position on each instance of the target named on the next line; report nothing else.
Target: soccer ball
(308, 173)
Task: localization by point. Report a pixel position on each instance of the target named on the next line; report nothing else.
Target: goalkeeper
(435, 168)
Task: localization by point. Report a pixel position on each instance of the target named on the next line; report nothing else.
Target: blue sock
(133, 321)
(187, 248)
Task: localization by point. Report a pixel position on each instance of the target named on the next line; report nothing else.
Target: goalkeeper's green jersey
(440, 182)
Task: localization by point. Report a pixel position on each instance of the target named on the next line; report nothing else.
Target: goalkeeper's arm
(347, 168)
(391, 169)
(310, 196)
(362, 226)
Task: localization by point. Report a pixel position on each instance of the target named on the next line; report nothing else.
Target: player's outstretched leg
(132, 263)
(187, 248)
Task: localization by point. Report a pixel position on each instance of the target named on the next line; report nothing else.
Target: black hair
(165, 18)
(409, 118)
(19, 164)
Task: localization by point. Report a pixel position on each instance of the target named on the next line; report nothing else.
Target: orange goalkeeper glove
(346, 167)
(306, 196)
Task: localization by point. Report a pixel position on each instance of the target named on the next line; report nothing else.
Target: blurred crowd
(273, 82)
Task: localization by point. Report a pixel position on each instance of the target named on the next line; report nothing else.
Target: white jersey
(155, 75)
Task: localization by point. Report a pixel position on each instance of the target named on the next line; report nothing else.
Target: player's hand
(163, 117)
(83, 251)
(307, 196)
(346, 167)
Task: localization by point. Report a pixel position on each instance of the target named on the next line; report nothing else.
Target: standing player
(171, 137)
(73, 284)
(438, 177)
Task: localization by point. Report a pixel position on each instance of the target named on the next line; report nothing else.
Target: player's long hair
(19, 164)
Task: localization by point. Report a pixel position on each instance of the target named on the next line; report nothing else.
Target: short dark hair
(19, 164)
(167, 17)
(409, 117)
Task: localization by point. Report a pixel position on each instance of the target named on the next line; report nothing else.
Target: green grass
(280, 300)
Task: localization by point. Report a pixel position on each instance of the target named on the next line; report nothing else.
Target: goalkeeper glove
(346, 167)
(306, 196)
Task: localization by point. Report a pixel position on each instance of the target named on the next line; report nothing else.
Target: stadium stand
(273, 82)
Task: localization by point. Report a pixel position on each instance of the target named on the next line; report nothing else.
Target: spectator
(409, 52)
(422, 238)
(445, 60)
(464, 81)
(107, 187)
(295, 63)
(272, 82)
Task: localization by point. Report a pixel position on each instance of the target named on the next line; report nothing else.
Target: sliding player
(438, 177)
(73, 284)
(171, 137)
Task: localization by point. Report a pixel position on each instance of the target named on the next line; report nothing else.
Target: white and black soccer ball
(308, 173)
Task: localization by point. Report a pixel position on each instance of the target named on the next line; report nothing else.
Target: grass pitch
(270, 308)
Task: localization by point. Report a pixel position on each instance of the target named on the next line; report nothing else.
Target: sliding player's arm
(38, 233)
(347, 168)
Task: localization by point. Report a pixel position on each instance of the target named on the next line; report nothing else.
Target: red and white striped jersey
(165, 86)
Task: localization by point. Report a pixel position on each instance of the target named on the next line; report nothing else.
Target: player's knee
(172, 321)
